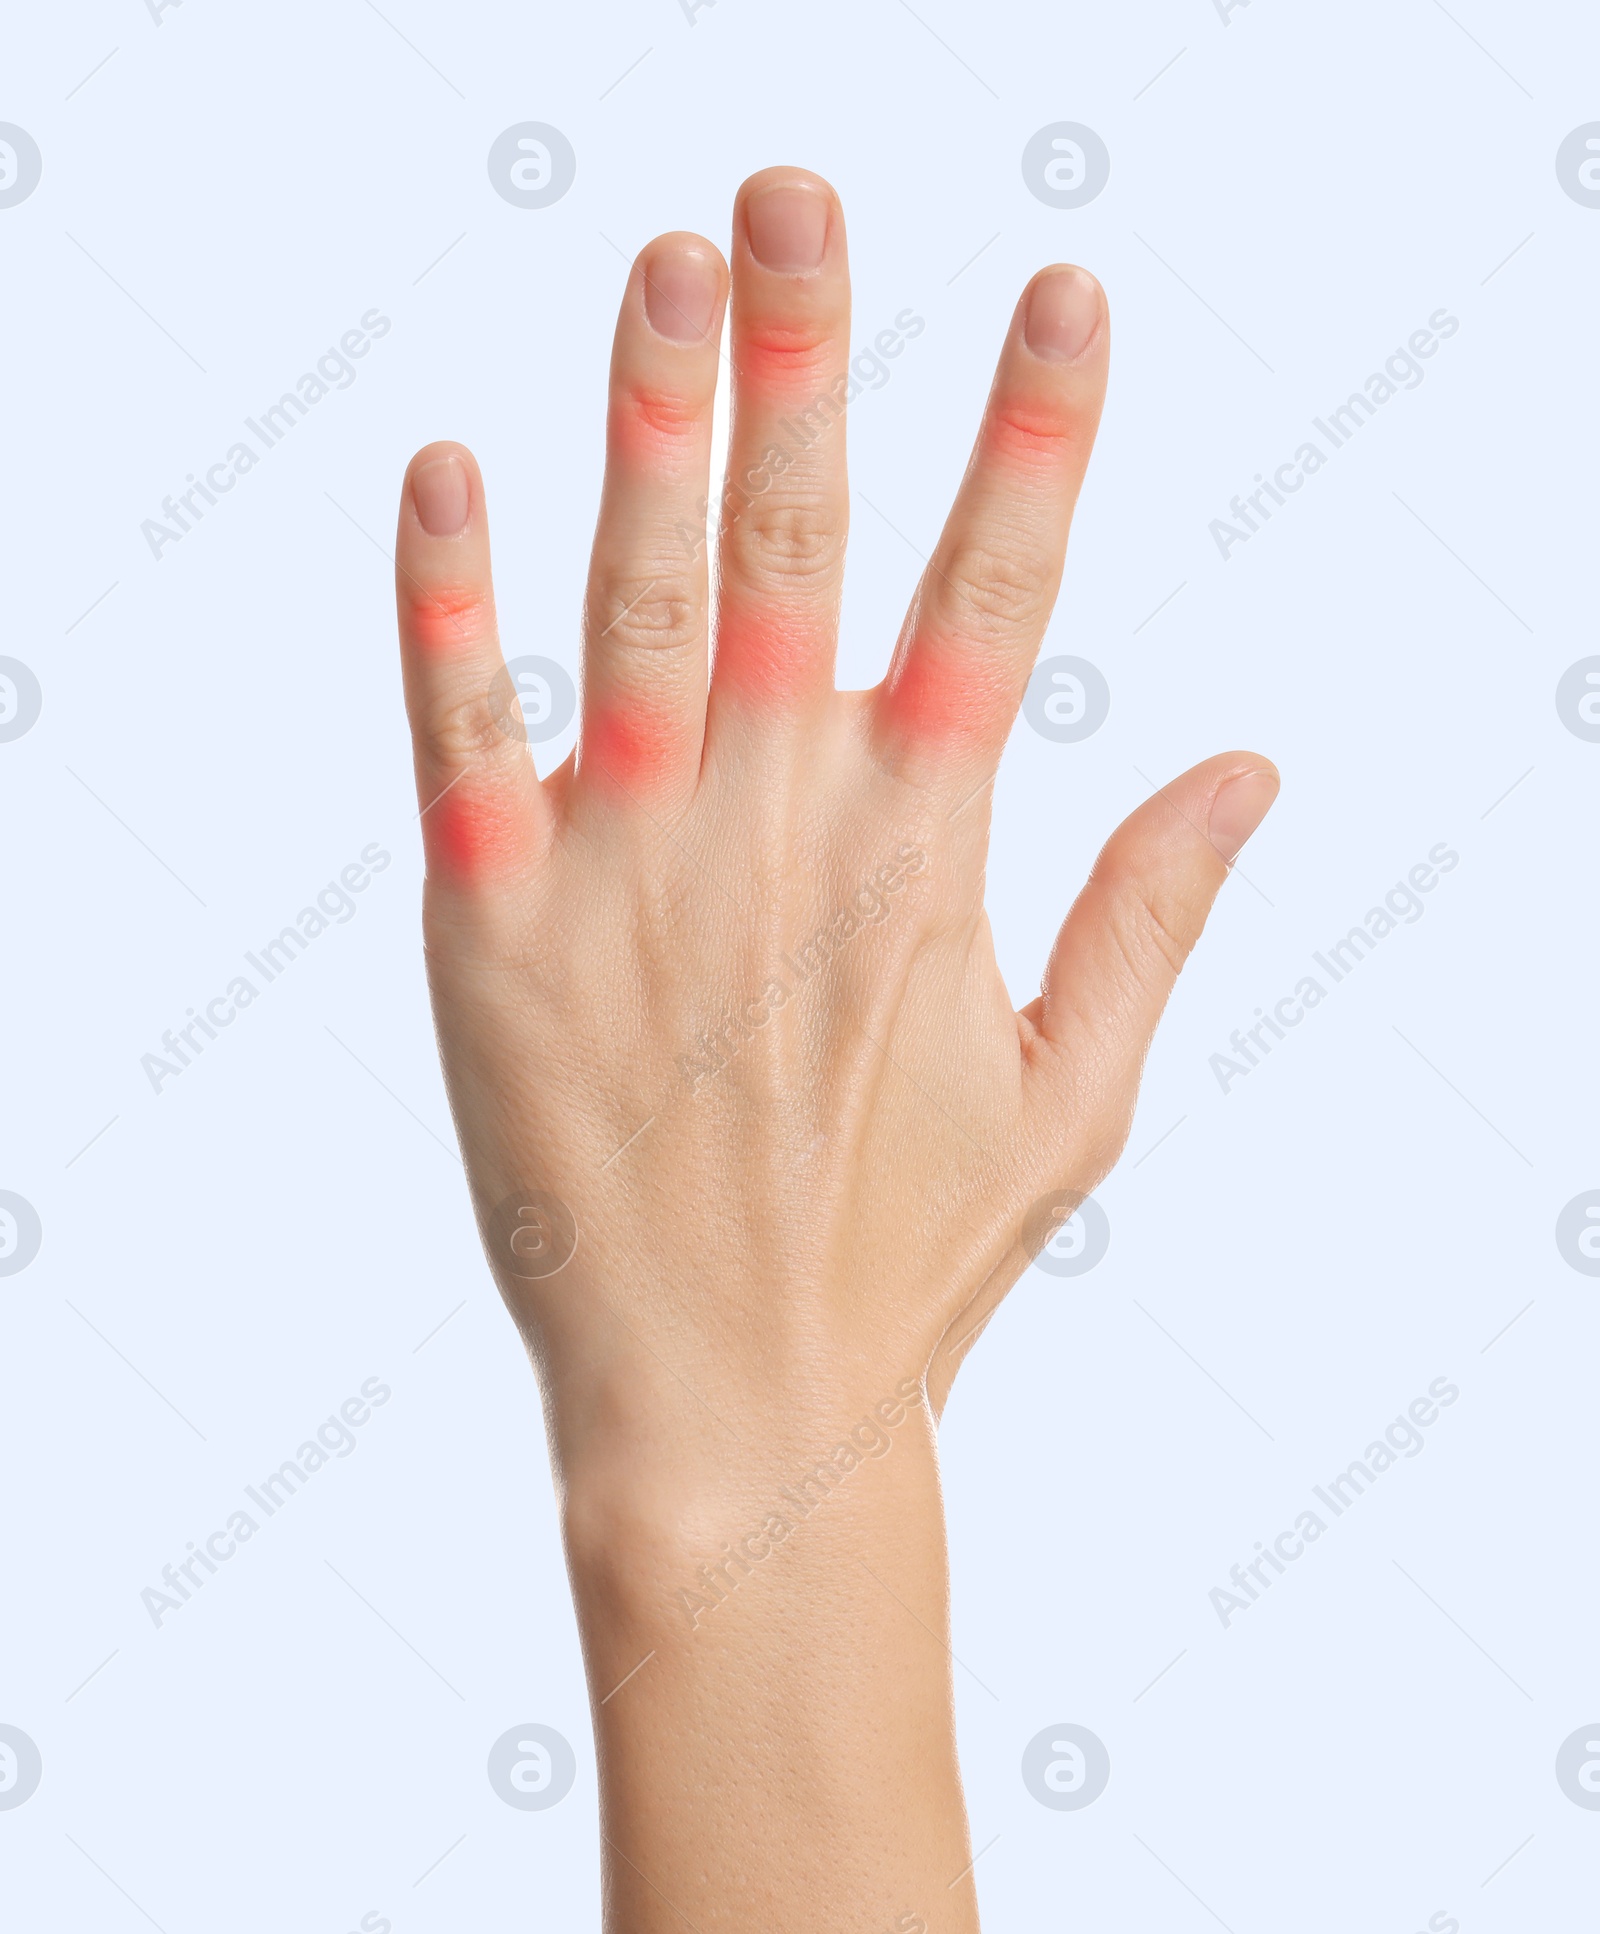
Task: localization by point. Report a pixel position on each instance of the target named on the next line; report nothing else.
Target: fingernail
(680, 294)
(439, 491)
(1238, 809)
(1063, 311)
(787, 229)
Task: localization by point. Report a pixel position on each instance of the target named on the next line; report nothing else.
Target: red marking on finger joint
(646, 419)
(1031, 433)
(786, 358)
(632, 749)
(767, 661)
(470, 833)
(955, 700)
(444, 617)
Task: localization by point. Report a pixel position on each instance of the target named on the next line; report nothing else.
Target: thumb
(1122, 946)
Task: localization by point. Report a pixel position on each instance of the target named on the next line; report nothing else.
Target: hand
(756, 1139)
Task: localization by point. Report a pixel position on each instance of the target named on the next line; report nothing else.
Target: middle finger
(785, 506)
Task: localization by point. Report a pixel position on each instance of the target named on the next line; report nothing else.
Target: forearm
(770, 1677)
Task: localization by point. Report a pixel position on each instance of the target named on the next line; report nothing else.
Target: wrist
(769, 1616)
(666, 1526)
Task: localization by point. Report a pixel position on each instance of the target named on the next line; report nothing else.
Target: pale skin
(718, 997)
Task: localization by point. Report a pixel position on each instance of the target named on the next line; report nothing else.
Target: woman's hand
(756, 1139)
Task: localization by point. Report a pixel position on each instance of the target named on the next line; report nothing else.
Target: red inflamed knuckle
(441, 615)
(787, 351)
(1032, 434)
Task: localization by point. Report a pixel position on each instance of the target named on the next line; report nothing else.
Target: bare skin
(756, 1138)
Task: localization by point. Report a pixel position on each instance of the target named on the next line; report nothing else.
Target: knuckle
(992, 590)
(795, 542)
(1151, 928)
(663, 414)
(463, 731)
(661, 616)
(445, 614)
(1039, 433)
(789, 349)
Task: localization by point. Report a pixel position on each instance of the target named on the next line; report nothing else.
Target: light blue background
(281, 1223)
